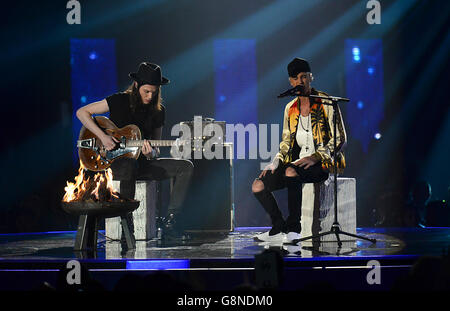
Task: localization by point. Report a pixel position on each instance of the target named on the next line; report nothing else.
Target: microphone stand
(336, 227)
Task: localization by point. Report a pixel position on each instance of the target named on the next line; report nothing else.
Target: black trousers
(129, 170)
(278, 180)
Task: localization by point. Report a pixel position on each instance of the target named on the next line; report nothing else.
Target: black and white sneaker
(292, 250)
(292, 236)
(274, 235)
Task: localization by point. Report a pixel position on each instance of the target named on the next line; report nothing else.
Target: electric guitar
(95, 157)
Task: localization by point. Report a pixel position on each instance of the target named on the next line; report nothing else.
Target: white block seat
(318, 208)
(144, 217)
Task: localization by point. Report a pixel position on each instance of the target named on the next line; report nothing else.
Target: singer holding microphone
(304, 156)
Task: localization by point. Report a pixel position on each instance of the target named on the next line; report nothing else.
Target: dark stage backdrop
(227, 60)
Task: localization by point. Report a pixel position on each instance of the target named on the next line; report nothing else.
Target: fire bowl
(100, 209)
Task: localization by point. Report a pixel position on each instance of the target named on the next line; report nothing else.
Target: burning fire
(98, 188)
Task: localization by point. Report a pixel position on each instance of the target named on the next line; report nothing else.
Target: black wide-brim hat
(149, 73)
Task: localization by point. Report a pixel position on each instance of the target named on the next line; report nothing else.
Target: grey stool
(144, 217)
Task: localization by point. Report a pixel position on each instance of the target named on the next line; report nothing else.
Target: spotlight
(360, 105)
(370, 70)
(83, 99)
(93, 56)
(356, 54)
(377, 136)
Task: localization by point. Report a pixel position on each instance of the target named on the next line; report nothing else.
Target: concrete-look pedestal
(318, 208)
(144, 218)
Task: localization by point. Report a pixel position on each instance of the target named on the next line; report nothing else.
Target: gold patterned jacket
(322, 129)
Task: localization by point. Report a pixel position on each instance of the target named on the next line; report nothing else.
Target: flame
(109, 183)
(79, 189)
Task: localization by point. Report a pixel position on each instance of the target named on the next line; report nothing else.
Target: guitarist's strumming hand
(109, 142)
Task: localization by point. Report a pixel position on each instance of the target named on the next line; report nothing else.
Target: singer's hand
(305, 162)
(269, 168)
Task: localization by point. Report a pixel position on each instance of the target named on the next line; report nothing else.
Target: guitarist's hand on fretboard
(147, 149)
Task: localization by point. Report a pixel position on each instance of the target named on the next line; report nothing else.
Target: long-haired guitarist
(141, 105)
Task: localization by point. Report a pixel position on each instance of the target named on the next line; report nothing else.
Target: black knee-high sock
(294, 204)
(270, 205)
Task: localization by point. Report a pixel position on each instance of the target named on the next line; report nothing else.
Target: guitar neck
(153, 143)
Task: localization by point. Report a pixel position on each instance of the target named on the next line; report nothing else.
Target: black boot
(130, 221)
(171, 232)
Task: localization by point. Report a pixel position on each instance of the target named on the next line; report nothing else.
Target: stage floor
(392, 242)
(27, 260)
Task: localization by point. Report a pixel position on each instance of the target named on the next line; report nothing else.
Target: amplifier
(209, 203)
(205, 128)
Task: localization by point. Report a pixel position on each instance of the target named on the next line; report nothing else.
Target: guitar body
(94, 155)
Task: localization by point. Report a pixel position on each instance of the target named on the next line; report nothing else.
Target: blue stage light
(83, 99)
(356, 54)
(158, 264)
(90, 77)
(364, 83)
(236, 58)
(377, 136)
(39, 233)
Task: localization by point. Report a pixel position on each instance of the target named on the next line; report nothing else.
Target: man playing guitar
(141, 105)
